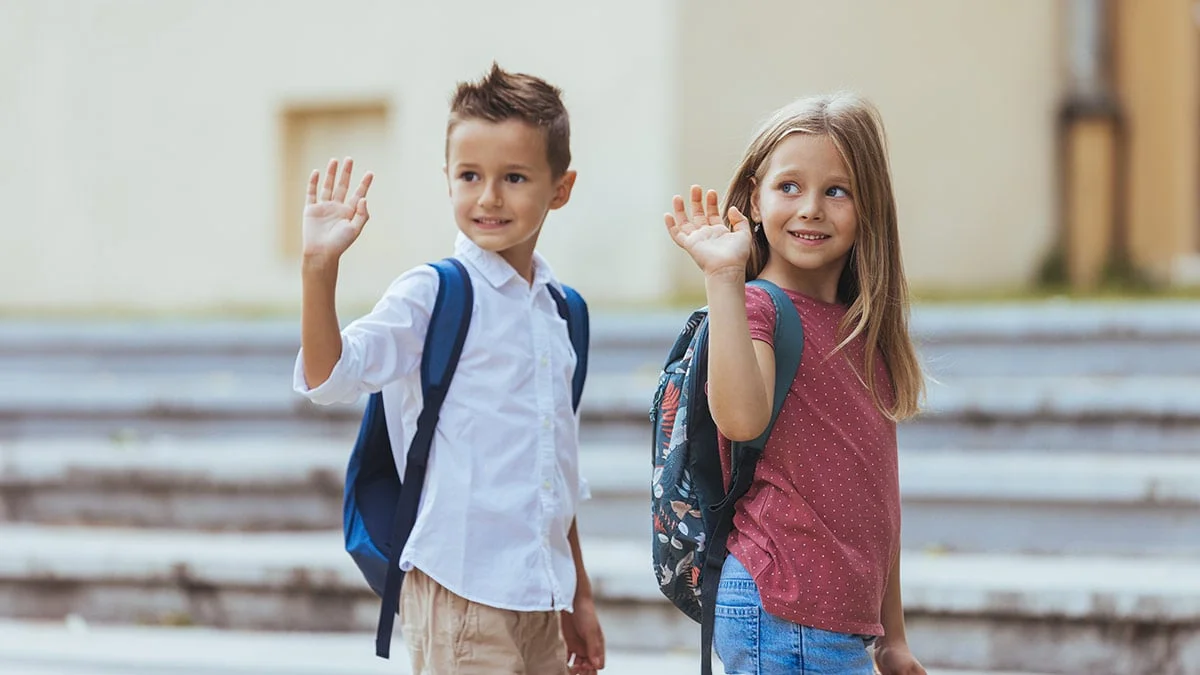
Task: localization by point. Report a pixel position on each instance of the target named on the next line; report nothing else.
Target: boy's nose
(490, 196)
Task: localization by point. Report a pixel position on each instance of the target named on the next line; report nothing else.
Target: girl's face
(806, 210)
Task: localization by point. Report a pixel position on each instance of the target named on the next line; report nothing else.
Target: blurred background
(168, 505)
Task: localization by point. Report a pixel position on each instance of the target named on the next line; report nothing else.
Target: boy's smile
(502, 186)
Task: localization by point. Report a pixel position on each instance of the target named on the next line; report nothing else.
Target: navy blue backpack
(378, 509)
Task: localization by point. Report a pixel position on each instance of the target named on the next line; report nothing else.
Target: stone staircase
(165, 474)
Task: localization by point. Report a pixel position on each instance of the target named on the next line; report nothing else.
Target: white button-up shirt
(503, 480)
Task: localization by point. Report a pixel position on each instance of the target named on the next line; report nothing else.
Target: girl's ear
(755, 216)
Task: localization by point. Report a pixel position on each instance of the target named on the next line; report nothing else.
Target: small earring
(758, 227)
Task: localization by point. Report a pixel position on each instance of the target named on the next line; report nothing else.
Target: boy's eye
(515, 178)
(468, 176)
(789, 188)
(837, 192)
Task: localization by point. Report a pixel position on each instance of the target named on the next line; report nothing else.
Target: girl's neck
(821, 284)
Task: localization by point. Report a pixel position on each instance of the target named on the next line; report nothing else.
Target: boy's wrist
(318, 268)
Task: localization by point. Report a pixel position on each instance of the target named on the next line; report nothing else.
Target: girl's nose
(810, 208)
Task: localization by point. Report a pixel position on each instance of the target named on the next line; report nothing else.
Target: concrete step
(978, 501)
(29, 648)
(981, 339)
(1065, 614)
(1158, 414)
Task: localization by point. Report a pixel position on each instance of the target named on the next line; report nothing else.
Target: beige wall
(968, 91)
(1158, 68)
(144, 151)
(145, 148)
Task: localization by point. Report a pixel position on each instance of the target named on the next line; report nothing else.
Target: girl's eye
(789, 188)
(468, 176)
(515, 178)
(837, 192)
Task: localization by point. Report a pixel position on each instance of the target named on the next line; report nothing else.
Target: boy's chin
(497, 240)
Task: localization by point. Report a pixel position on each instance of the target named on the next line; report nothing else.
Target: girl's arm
(892, 653)
(740, 403)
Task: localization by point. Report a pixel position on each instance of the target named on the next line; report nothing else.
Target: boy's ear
(446, 173)
(562, 190)
(754, 212)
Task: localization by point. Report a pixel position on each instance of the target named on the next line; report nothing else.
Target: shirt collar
(496, 269)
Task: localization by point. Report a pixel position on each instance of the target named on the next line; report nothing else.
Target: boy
(495, 580)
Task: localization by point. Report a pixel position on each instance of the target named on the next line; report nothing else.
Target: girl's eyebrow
(793, 171)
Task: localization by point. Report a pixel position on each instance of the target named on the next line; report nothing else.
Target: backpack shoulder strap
(789, 347)
(574, 310)
(444, 340)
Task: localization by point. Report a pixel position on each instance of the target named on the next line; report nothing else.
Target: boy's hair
(501, 95)
(873, 282)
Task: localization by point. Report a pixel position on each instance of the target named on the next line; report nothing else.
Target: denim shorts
(749, 641)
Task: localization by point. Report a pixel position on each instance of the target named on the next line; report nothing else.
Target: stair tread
(1150, 588)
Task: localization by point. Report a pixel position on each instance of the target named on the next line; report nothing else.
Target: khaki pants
(449, 635)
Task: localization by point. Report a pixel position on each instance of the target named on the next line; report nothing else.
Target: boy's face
(502, 187)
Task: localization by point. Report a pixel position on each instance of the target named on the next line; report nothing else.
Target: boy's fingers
(360, 216)
(365, 185)
(330, 176)
(343, 184)
(311, 196)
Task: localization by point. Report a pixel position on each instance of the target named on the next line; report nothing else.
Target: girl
(813, 572)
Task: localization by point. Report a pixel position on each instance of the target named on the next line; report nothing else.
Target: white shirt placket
(546, 459)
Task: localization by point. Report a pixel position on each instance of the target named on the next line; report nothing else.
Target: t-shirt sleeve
(760, 313)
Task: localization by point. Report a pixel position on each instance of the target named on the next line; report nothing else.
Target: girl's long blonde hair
(873, 282)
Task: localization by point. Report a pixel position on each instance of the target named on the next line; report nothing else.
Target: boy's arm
(320, 334)
(332, 221)
(581, 629)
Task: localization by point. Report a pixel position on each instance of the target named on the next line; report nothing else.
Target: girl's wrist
(726, 276)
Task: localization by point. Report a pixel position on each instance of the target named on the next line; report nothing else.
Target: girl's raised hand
(334, 220)
(714, 247)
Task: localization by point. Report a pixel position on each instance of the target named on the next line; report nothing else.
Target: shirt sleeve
(381, 347)
(760, 314)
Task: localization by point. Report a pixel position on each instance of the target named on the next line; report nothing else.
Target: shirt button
(546, 484)
(545, 361)
(545, 422)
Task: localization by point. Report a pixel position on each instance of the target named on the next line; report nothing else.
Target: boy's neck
(521, 261)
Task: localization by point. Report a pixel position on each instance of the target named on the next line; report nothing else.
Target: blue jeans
(749, 641)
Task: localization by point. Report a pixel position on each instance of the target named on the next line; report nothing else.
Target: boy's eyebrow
(507, 167)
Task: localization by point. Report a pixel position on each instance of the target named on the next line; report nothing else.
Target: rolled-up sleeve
(381, 347)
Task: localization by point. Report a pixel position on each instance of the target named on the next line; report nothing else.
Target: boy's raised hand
(333, 220)
(713, 246)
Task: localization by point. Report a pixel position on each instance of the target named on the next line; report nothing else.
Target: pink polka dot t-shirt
(820, 526)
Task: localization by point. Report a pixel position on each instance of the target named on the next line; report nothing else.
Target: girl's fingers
(711, 211)
(697, 205)
(737, 221)
(343, 184)
(311, 196)
(681, 218)
(330, 176)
